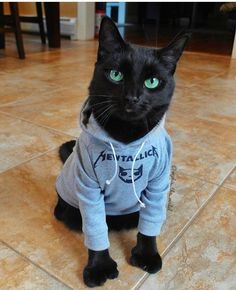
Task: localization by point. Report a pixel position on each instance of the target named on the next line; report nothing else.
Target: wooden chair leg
(40, 19)
(52, 13)
(17, 29)
(2, 34)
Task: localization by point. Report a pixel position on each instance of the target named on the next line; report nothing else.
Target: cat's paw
(148, 263)
(98, 274)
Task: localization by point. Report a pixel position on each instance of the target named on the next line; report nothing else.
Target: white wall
(85, 20)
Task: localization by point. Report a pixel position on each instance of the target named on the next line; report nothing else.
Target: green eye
(151, 83)
(116, 76)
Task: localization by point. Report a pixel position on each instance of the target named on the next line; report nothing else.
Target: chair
(12, 23)
(36, 19)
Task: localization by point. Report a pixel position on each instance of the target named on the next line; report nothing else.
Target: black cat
(129, 94)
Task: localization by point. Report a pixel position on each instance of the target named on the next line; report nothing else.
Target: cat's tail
(66, 149)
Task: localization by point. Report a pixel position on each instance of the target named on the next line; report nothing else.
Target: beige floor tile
(69, 53)
(33, 46)
(190, 77)
(223, 84)
(21, 141)
(44, 72)
(205, 62)
(214, 100)
(202, 123)
(35, 233)
(205, 157)
(188, 197)
(204, 258)
(231, 181)
(18, 273)
(10, 65)
(16, 87)
(202, 148)
(58, 110)
(39, 80)
(80, 70)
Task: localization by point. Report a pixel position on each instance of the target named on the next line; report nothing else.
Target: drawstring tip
(108, 182)
(143, 205)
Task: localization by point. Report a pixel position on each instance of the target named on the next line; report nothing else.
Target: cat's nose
(131, 99)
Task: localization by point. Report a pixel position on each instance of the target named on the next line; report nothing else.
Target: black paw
(148, 263)
(97, 275)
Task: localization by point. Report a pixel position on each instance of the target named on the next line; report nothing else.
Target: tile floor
(40, 99)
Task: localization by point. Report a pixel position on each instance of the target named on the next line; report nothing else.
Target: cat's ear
(110, 39)
(170, 55)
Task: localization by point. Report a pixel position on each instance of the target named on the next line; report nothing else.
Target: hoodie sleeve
(155, 196)
(91, 202)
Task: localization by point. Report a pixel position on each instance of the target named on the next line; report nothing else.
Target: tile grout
(30, 159)
(198, 82)
(37, 124)
(185, 228)
(46, 93)
(197, 213)
(182, 172)
(229, 186)
(35, 264)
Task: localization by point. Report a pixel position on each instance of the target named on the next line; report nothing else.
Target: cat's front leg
(100, 267)
(145, 254)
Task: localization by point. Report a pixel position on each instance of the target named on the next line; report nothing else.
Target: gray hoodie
(103, 177)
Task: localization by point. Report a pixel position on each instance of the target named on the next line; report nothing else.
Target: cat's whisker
(99, 112)
(107, 117)
(100, 103)
(106, 96)
(104, 111)
(102, 108)
(102, 120)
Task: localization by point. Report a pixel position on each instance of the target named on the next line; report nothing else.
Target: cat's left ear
(170, 55)
(110, 40)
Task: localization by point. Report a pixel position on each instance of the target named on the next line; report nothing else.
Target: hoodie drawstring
(132, 171)
(116, 165)
(132, 175)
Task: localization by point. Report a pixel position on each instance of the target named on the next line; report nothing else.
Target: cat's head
(131, 82)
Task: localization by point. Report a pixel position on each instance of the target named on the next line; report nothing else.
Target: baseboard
(67, 26)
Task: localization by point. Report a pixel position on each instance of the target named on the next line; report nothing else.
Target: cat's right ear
(170, 55)
(110, 40)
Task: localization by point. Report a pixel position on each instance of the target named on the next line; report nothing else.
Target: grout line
(197, 213)
(218, 74)
(140, 281)
(185, 228)
(182, 172)
(30, 159)
(219, 55)
(16, 102)
(35, 264)
(44, 94)
(36, 124)
(199, 82)
(229, 186)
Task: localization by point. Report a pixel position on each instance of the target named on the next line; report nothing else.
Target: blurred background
(147, 23)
